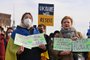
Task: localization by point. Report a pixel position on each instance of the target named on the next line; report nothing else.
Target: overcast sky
(79, 10)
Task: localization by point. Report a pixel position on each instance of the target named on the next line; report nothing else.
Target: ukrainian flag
(11, 50)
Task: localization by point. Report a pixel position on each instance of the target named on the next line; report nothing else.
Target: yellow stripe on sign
(47, 20)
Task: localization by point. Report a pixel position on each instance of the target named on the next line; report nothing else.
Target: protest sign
(29, 41)
(46, 14)
(62, 44)
(81, 45)
(38, 39)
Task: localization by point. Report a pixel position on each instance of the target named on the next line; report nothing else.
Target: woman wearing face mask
(14, 52)
(8, 34)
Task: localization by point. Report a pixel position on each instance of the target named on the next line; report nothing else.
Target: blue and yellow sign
(46, 14)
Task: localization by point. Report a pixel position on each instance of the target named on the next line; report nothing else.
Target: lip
(66, 26)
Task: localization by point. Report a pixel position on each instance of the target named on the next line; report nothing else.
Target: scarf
(68, 33)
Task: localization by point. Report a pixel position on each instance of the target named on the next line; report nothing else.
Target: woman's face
(28, 21)
(66, 23)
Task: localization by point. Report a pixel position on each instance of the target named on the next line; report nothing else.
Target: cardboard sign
(62, 44)
(46, 14)
(81, 45)
(29, 41)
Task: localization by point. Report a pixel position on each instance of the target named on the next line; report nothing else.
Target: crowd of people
(10, 51)
(4, 38)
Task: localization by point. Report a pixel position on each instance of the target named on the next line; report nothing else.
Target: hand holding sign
(20, 50)
(42, 46)
(65, 53)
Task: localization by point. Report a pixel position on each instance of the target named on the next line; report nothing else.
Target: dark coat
(28, 54)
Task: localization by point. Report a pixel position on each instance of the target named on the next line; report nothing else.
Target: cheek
(70, 25)
(64, 25)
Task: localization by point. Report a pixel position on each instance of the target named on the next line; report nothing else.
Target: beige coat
(65, 57)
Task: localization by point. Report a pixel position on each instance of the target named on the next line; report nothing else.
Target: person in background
(87, 54)
(42, 29)
(8, 35)
(15, 52)
(51, 35)
(53, 53)
(2, 46)
(57, 34)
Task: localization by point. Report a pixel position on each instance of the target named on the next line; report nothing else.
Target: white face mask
(28, 22)
(9, 34)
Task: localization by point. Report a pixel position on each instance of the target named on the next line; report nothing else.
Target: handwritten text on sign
(29, 41)
(62, 44)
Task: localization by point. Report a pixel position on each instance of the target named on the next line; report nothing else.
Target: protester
(53, 53)
(87, 54)
(8, 35)
(15, 52)
(42, 29)
(67, 31)
(2, 46)
(51, 35)
(57, 34)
